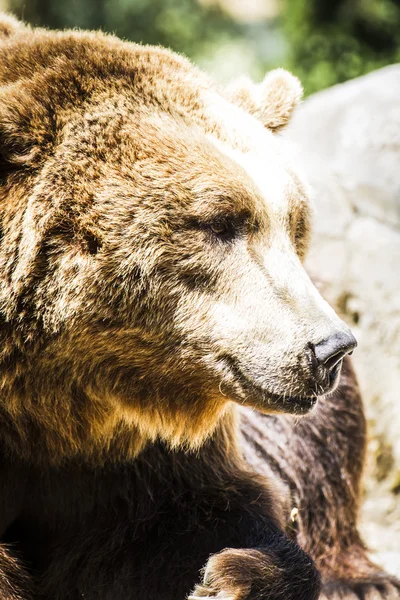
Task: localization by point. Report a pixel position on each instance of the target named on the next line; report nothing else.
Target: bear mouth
(263, 400)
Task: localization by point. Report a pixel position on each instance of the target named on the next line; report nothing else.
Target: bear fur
(156, 322)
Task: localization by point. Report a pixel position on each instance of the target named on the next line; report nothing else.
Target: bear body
(156, 322)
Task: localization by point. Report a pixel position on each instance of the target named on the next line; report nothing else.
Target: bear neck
(56, 429)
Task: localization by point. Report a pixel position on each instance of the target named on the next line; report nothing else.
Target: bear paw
(225, 576)
(256, 575)
(380, 586)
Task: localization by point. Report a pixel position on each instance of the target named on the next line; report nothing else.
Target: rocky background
(348, 140)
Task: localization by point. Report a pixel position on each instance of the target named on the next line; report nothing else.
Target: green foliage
(331, 41)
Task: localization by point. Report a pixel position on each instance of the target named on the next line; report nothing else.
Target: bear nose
(333, 349)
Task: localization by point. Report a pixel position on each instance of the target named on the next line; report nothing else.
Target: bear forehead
(116, 100)
(184, 160)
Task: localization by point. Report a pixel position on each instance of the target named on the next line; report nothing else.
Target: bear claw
(383, 587)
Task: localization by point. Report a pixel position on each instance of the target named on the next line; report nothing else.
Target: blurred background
(348, 138)
(323, 41)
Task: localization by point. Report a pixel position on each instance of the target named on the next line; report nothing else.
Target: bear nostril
(331, 351)
(333, 373)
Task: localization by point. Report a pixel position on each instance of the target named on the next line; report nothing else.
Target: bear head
(153, 228)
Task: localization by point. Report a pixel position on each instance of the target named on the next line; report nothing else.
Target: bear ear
(272, 101)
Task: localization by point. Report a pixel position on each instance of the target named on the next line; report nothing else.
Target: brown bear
(156, 326)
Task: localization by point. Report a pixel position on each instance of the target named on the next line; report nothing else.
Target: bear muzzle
(319, 377)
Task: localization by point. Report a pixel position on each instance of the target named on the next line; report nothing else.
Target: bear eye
(223, 229)
(219, 228)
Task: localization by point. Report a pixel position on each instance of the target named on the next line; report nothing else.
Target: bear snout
(326, 358)
(293, 386)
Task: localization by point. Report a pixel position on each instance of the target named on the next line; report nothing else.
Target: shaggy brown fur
(151, 285)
